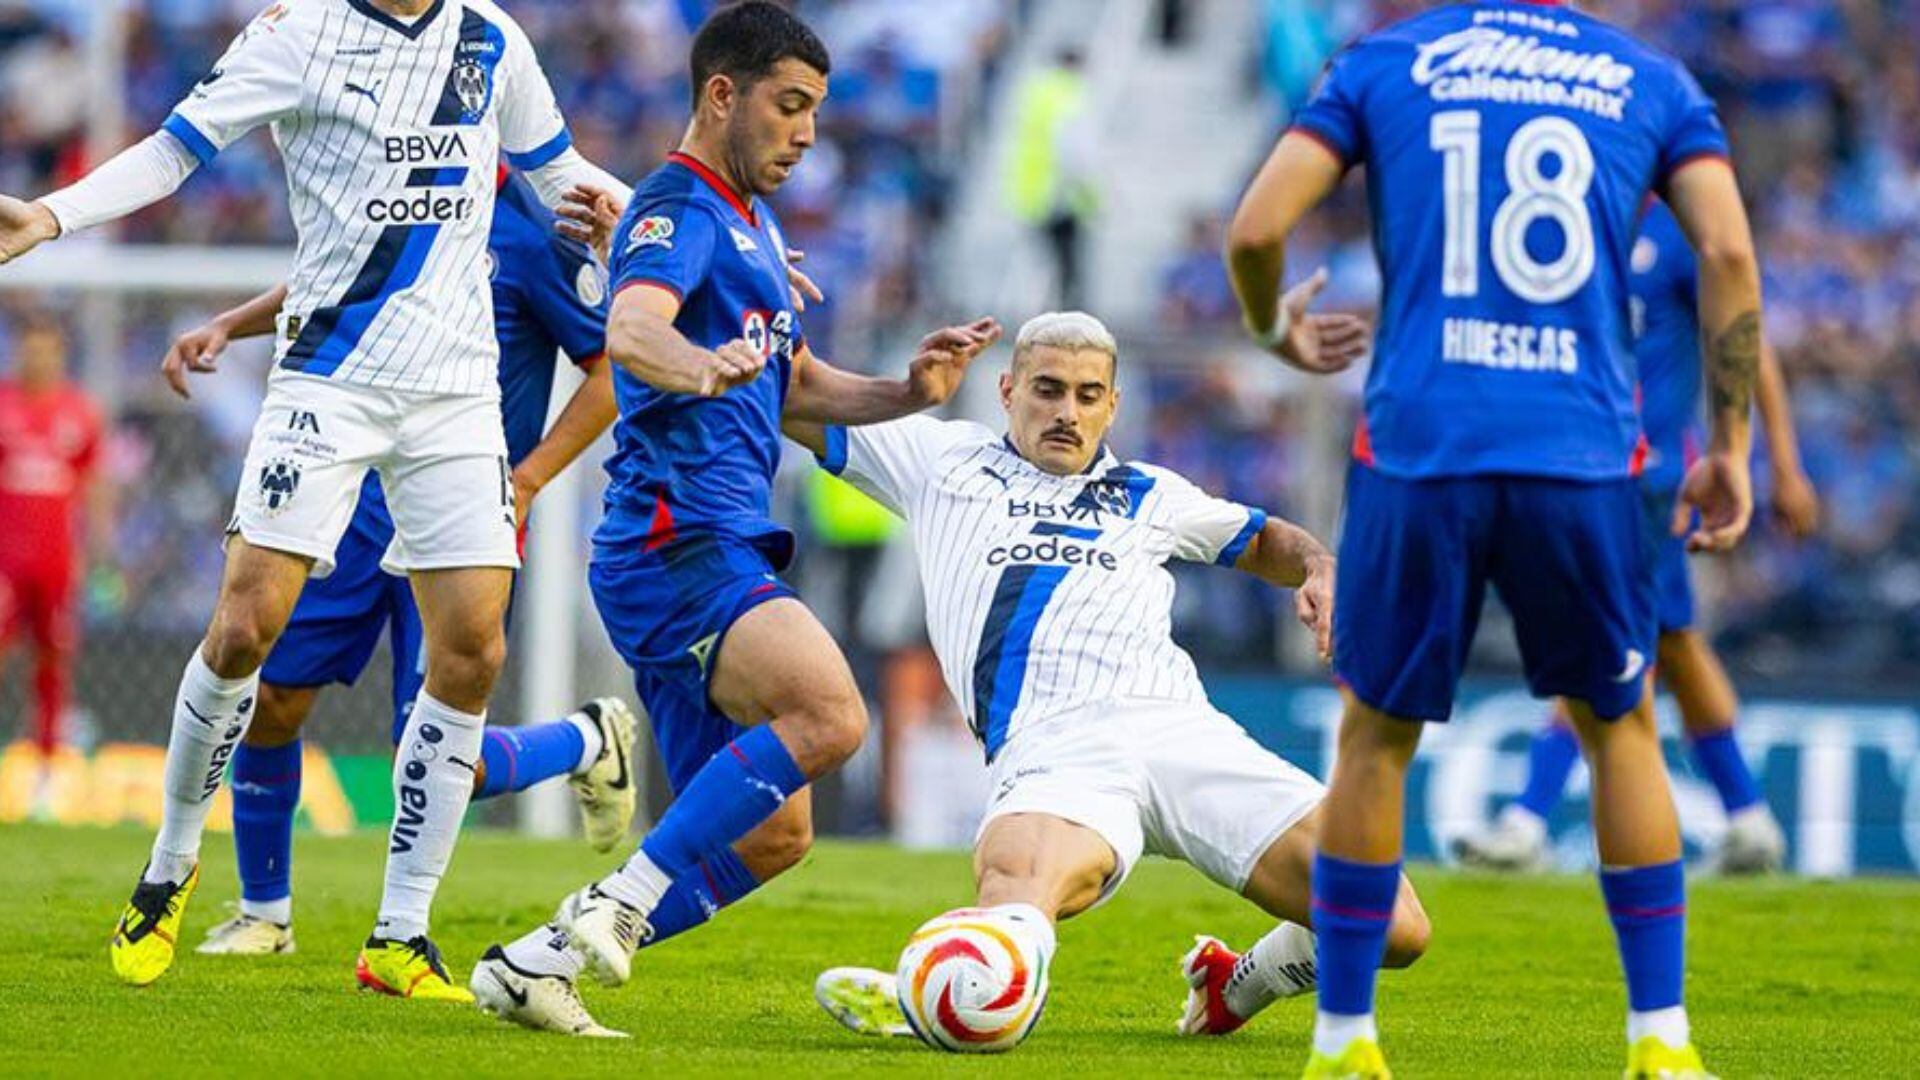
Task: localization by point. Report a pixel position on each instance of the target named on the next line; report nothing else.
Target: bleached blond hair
(1072, 331)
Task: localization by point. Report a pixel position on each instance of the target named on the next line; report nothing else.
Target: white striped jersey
(391, 133)
(1045, 594)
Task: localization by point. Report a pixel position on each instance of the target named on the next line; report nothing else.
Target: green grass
(1789, 979)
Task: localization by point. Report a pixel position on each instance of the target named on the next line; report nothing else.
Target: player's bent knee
(238, 640)
(833, 728)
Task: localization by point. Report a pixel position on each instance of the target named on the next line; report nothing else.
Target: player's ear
(720, 92)
(1006, 390)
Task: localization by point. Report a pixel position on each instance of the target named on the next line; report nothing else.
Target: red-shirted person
(50, 434)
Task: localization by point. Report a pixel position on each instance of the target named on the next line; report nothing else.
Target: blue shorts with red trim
(1568, 558)
(1672, 587)
(667, 611)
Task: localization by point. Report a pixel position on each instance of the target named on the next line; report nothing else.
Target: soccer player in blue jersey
(749, 697)
(1666, 346)
(1508, 148)
(549, 296)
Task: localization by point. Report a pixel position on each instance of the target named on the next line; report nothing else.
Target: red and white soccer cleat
(1208, 968)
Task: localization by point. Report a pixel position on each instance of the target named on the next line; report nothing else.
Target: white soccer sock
(593, 745)
(1333, 1032)
(1669, 1025)
(1035, 921)
(546, 951)
(432, 784)
(1280, 965)
(638, 883)
(274, 911)
(210, 714)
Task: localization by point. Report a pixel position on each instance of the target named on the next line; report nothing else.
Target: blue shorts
(1568, 559)
(1672, 587)
(667, 612)
(340, 618)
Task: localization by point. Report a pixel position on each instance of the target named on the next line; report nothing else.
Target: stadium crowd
(1832, 171)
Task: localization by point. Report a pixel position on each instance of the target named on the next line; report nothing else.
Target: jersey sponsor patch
(651, 232)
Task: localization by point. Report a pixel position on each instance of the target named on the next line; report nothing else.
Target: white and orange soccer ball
(973, 981)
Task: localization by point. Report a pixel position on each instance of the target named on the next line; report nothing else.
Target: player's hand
(1321, 344)
(524, 490)
(1313, 605)
(590, 215)
(801, 285)
(23, 227)
(1796, 506)
(734, 364)
(943, 357)
(197, 350)
(1720, 489)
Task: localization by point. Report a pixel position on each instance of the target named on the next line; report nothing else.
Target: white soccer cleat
(540, 1002)
(247, 935)
(1515, 842)
(605, 932)
(865, 1001)
(1754, 843)
(607, 791)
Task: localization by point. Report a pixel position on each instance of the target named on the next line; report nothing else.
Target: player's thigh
(449, 488)
(1217, 799)
(310, 450)
(776, 661)
(1571, 566)
(1057, 865)
(1413, 556)
(1075, 771)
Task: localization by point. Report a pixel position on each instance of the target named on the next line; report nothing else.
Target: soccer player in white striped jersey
(391, 116)
(1043, 557)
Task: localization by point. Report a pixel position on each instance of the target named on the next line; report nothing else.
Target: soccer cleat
(1651, 1059)
(605, 931)
(607, 790)
(408, 969)
(865, 1001)
(1511, 844)
(247, 935)
(1208, 967)
(1754, 844)
(540, 1002)
(1361, 1060)
(144, 941)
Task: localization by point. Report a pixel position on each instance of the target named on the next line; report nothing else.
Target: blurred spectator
(1050, 178)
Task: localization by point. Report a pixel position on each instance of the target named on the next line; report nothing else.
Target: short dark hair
(746, 40)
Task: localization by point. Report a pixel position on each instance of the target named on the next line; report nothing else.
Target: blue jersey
(683, 463)
(1666, 329)
(549, 297)
(1503, 345)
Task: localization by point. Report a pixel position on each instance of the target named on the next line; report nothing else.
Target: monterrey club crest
(279, 479)
(470, 86)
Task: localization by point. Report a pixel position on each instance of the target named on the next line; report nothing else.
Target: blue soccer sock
(1550, 759)
(696, 896)
(519, 757)
(1718, 755)
(1352, 908)
(266, 791)
(737, 789)
(1648, 906)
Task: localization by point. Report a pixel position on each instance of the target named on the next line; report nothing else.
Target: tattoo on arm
(1733, 364)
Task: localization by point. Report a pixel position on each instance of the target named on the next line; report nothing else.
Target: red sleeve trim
(1694, 159)
(586, 362)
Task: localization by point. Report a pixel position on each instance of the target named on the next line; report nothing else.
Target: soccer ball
(973, 981)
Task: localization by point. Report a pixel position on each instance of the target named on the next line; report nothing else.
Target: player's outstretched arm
(1706, 199)
(137, 177)
(825, 394)
(1297, 177)
(587, 415)
(1284, 554)
(641, 339)
(198, 350)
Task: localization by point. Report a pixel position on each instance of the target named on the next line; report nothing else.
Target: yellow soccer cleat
(1651, 1059)
(143, 943)
(1361, 1060)
(408, 969)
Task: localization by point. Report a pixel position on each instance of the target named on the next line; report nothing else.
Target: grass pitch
(1789, 978)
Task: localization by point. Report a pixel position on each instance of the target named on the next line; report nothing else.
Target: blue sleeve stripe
(835, 459)
(197, 144)
(544, 154)
(1229, 555)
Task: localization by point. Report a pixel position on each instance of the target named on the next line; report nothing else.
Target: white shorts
(1166, 778)
(442, 461)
